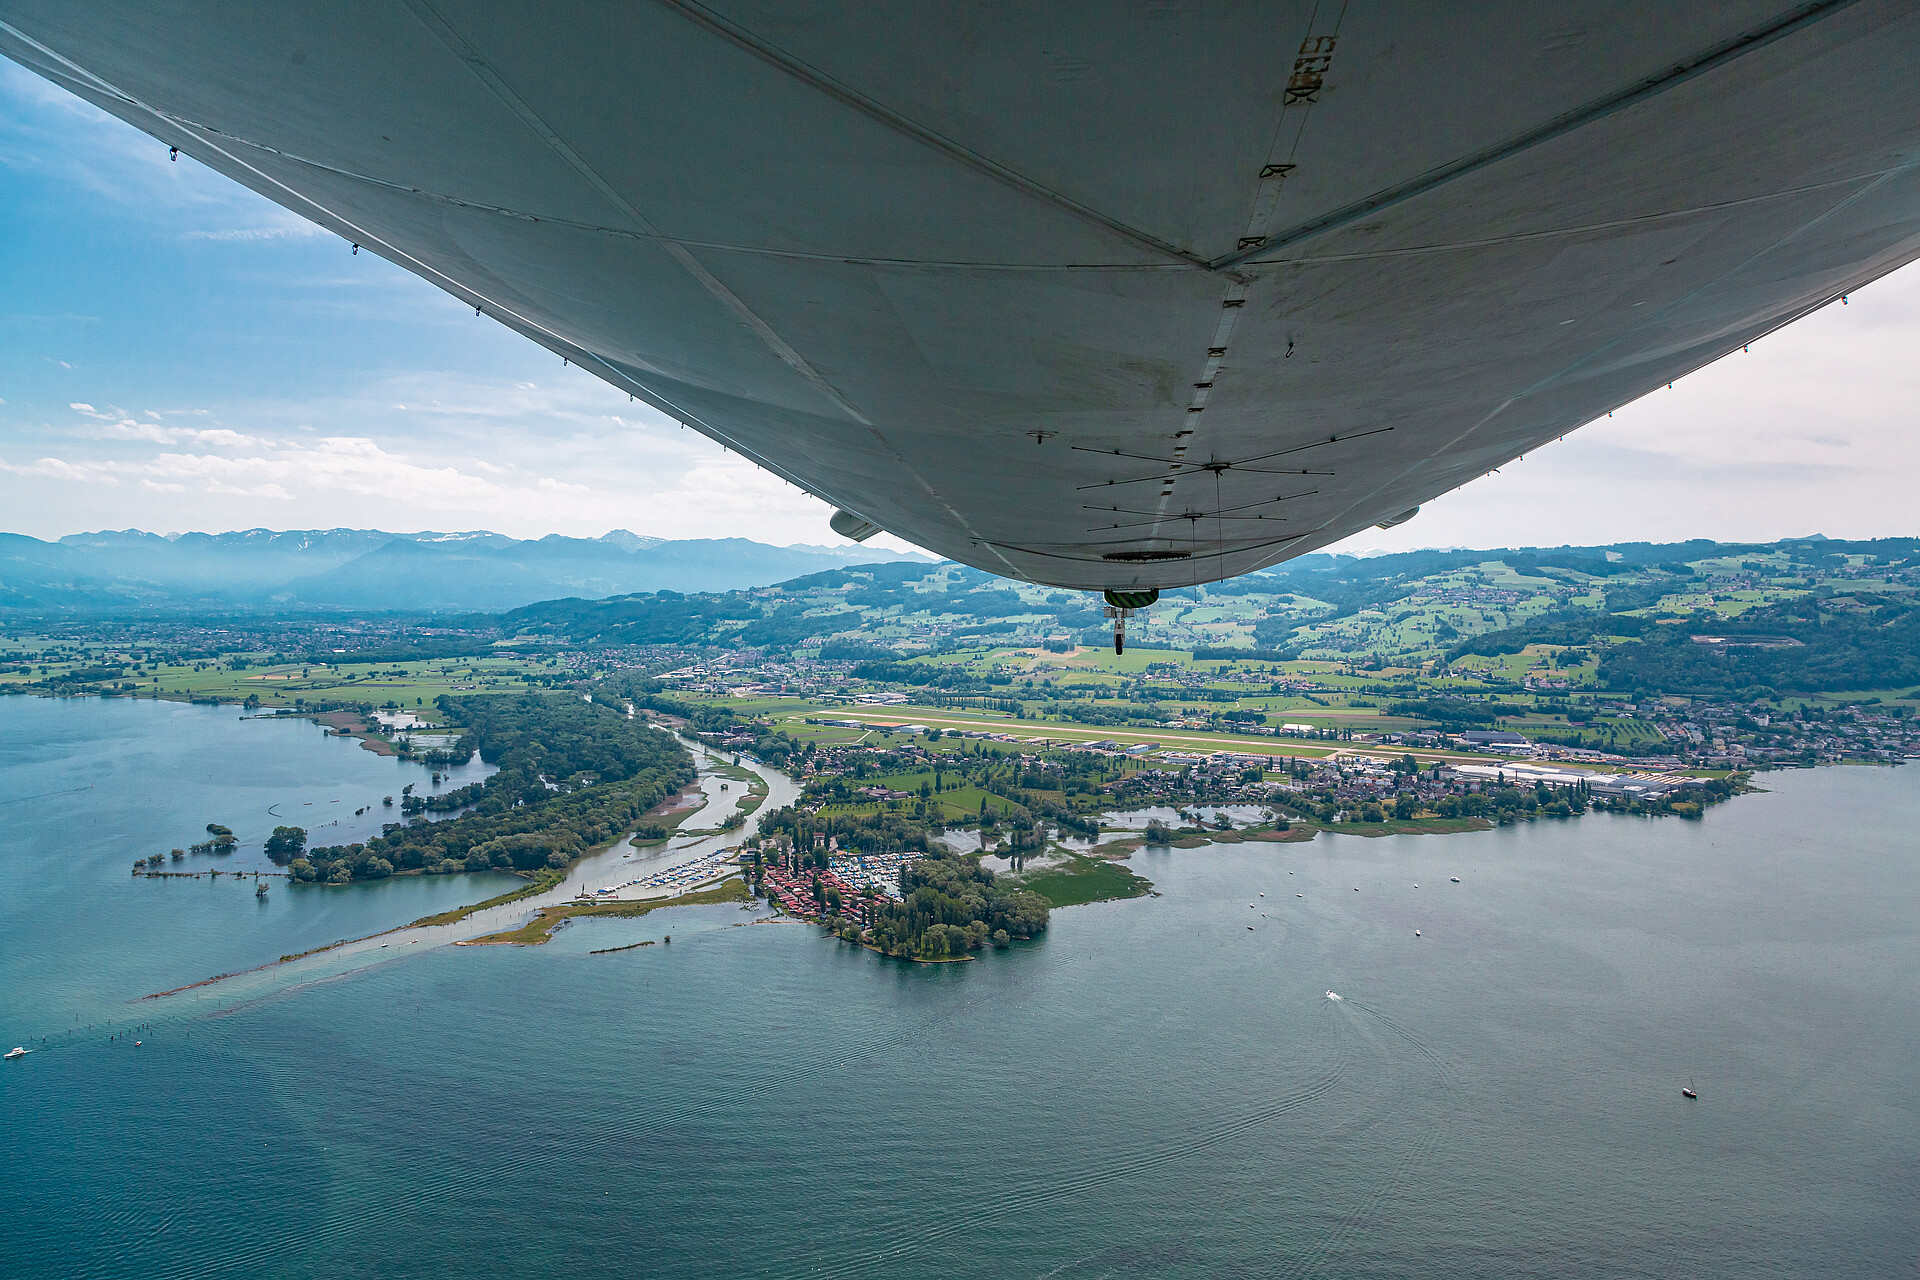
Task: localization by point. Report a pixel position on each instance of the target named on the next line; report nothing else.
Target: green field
(1082, 879)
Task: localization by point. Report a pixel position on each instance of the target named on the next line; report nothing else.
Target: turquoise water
(1153, 1090)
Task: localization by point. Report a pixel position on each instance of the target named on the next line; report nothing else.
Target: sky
(177, 353)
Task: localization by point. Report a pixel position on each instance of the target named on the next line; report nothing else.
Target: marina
(677, 878)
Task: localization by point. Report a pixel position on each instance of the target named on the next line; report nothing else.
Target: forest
(572, 775)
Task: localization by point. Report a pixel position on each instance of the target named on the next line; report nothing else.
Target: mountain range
(369, 569)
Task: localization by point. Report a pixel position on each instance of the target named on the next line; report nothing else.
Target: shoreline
(731, 887)
(1070, 878)
(548, 920)
(670, 812)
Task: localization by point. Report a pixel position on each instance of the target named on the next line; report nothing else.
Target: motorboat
(16, 1052)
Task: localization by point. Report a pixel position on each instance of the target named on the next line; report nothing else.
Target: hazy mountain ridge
(375, 569)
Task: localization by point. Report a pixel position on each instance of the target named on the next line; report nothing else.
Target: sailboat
(1687, 1090)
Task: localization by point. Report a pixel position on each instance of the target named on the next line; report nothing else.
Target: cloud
(221, 437)
(216, 437)
(234, 234)
(129, 429)
(286, 472)
(332, 465)
(273, 491)
(61, 469)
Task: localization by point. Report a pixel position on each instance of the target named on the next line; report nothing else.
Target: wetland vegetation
(570, 776)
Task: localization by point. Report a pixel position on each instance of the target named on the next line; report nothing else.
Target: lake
(1153, 1089)
(87, 785)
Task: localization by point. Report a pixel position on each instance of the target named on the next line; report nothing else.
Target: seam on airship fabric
(1588, 228)
(1708, 60)
(457, 45)
(655, 235)
(879, 112)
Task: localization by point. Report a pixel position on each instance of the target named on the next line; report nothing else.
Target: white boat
(1333, 995)
(15, 1052)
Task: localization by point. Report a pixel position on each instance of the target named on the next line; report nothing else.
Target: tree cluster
(953, 905)
(853, 832)
(220, 839)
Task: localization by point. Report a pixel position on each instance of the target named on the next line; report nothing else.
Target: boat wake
(1413, 1155)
